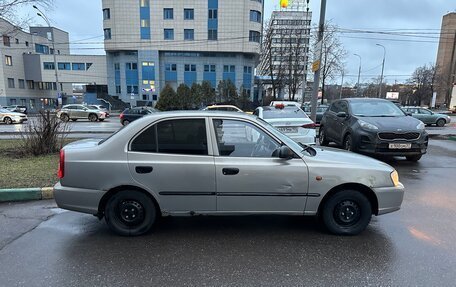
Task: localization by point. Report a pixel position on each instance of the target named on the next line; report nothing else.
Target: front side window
(425, 112)
(185, 136)
(242, 139)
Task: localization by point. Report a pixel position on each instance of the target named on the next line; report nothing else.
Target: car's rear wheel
(130, 213)
(322, 137)
(8, 120)
(64, 117)
(348, 212)
(414, 157)
(441, 123)
(93, 118)
(125, 122)
(348, 143)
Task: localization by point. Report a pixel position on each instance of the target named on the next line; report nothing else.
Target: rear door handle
(144, 169)
(230, 171)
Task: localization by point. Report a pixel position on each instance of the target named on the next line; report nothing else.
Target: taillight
(309, 126)
(61, 171)
(121, 116)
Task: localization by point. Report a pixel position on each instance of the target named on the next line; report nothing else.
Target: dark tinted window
(182, 137)
(335, 107)
(146, 141)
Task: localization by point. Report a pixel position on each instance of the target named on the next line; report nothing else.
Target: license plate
(400, 146)
(288, 130)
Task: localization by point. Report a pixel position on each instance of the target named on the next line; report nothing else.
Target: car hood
(345, 158)
(87, 143)
(395, 124)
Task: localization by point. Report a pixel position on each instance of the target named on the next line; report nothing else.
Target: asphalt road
(41, 245)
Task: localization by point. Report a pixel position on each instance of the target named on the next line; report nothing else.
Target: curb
(25, 194)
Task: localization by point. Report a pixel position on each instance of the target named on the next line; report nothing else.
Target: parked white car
(8, 117)
(291, 121)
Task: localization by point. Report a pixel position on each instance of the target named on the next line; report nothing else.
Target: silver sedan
(219, 163)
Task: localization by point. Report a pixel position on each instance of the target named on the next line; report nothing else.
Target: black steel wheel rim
(130, 212)
(322, 136)
(348, 144)
(347, 213)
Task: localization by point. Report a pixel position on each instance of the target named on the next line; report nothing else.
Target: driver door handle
(230, 171)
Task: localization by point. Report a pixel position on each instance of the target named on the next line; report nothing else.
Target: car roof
(365, 100)
(273, 108)
(201, 113)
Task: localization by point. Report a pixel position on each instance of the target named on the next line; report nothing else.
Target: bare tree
(295, 54)
(423, 80)
(333, 55)
(8, 9)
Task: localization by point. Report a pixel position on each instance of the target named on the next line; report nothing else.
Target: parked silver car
(219, 163)
(8, 117)
(78, 112)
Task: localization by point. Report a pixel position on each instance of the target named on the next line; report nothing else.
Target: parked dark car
(373, 126)
(131, 114)
(428, 117)
(320, 112)
(17, 109)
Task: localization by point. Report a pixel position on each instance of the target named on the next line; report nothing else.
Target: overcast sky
(83, 20)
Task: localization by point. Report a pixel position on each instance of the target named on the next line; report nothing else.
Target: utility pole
(316, 65)
(342, 84)
(383, 68)
(42, 15)
(359, 74)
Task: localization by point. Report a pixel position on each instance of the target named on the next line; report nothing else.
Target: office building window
(64, 66)
(189, 34)
(255, 16)
(48, 66)
(118, 90)
(41, 49)
(213, 14)
(209, 68)
(212, 34)
(254, 36)
(189, 14)
(31, 85)
(78, 66)
(11, 83)
(132, 89)
(6, 41)
(131, 66)
(26, 44)
(107, 34)
(145, 23)
(168, 13)
(189, 68)
(17, 41)
(229, 69)
(88, 65)
(21, 83)
(106, 14)
(8, 60)
(117, 66)
(169, 34)
(171, 67)
(144, 3)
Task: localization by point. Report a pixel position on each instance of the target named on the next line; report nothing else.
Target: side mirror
(285, 152)
(342, 115)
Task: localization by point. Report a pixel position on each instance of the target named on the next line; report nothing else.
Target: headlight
(367, 126)
(420, 126)
(395, 178)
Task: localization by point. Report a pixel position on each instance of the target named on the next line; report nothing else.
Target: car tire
(348, 143)
(322, 137)
(64, 118)
(125, 122)
(348, 212)
(8, 120)
(440, 123)
(414, 158)
(93, 118)
(130, 213)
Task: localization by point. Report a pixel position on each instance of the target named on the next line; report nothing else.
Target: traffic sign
(316, 66)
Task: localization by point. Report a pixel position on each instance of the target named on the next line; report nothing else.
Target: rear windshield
(287, 113)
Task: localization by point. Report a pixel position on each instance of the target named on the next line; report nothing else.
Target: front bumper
(78, 199)
(369, 143)
(389, 198)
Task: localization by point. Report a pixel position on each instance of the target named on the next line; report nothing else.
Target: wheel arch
(368, 192)
(112, 191)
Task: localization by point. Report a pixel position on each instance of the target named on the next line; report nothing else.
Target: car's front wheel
(348, 212)
(130, 213)
(64, 117)
(8, 121)
(441, 123)
(322, 137)
(348, 143)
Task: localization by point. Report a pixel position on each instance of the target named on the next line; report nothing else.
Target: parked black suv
(373, 126)
(132, 114)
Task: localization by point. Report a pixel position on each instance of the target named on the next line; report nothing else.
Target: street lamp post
(359, 74)
(383, 68)
(42, 15)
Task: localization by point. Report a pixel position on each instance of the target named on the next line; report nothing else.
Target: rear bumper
(389, 198)
(308, 138)
(77, 199)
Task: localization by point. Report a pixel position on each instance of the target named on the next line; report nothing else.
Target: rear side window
(335, 107)
(186, 136)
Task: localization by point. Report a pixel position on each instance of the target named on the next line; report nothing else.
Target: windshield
(375, 109)
(285, 113)
(4, 110)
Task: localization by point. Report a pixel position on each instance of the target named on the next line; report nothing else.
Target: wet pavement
(412, 247)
